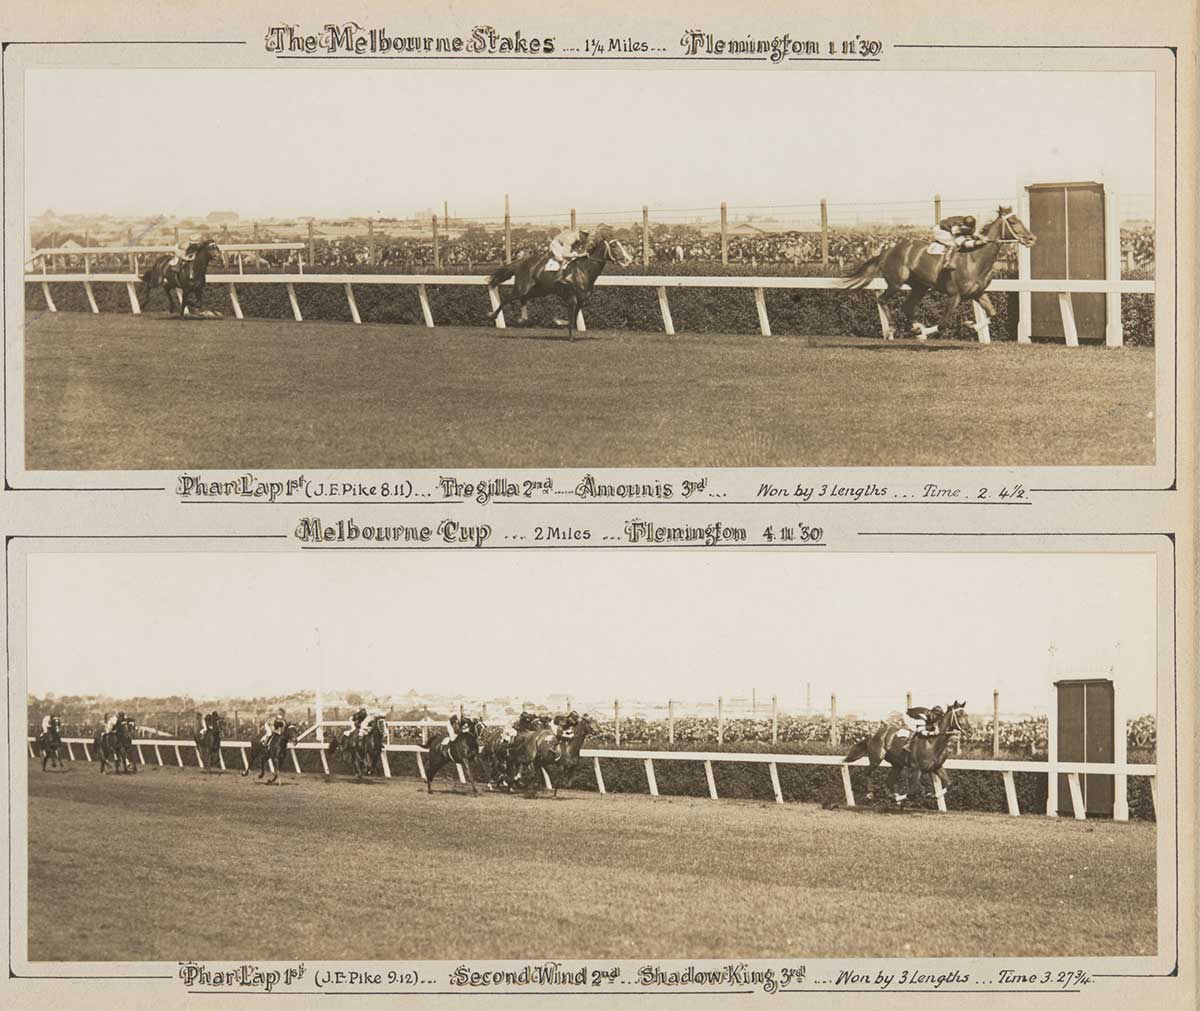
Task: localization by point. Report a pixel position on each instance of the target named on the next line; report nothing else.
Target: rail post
(774, 719)
(446, 213)
(507, 232)
(371, 241)
(937, 208)
(617, 721)
(645, 236)
(1052, 755)
(437, 259)
(720, 719)
(1114, 334)
(907, 700)
(1120, 757)
(995, 723)
(833, 724)
(312, 243)
(1024, 273)
(572, 219)
(724, 235)
(670, 721)
(824, 233)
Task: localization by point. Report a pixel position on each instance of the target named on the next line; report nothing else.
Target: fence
(1052, 768)
(756, 285)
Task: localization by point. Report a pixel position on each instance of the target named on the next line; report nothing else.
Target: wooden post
(507, 232)
(353, 304)
(670, 721)
(833, 727)
(599, 774)
(712, 783)
(1010, 794)
(1067, 311)
(312, 243)
(720, 720)
(775, 783)
(774, 719)
(617, 721)
(650, 780)
(1114, 334)
(760, 303)
(1024, 273)
(664, 307)
(1120, 756)
(446, 213)
(908, 700)
(937, 208)
(724, 235)
(573, 219)
(995, 723)
(824, 234)
(437, 259)
(645, 236)
(1052, 755)
(371, 241)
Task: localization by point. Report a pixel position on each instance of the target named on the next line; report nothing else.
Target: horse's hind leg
(910, 308)
(889, 320)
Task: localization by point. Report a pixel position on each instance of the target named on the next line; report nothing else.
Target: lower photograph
(235, 753)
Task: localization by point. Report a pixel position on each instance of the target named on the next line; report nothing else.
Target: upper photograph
(563, 267)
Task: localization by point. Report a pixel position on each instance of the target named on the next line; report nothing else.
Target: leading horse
(911, 755)
(572, 284)
(911, 262)
(184, 281)
(209, 745)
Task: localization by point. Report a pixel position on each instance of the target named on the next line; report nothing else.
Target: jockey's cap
(969, 220)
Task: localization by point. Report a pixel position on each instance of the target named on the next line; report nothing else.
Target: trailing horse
(115, 748)
(182, 282)
(910, 262)
(273, 753)
(362, 751)
(209, 744)
(49, 746)
(463, 750)
(535, 753)
(572, 284)
(911, 755)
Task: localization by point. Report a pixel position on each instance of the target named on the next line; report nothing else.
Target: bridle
(1007, 232)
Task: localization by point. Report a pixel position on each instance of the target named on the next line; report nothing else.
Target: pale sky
(648, 625)
(365, 141)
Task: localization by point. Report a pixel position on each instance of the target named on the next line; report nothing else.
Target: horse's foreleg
(889, 320)
(910, 307)
(948, 315)
(470, 775)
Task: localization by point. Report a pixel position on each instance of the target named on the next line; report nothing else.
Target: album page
(600, 505)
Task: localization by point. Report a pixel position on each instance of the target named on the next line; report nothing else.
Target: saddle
(936, 248)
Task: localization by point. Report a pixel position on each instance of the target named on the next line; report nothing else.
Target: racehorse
(362, 751)
(115, 747)
(535, 752)
(913, 755)
(572, 284)
(273, 753)
(49, 744)
(183, 282)
(462, 751)
(910, 262)
(209, 743)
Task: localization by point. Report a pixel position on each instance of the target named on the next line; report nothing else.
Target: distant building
(223, 217)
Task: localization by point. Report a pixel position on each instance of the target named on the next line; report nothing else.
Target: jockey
(928, 719)
(566, 246)
(452, 727)
(111, 724)
(48, 722)
(564, 726)
(358, 723)
(184, 250)
(955, 233)
(274, 725)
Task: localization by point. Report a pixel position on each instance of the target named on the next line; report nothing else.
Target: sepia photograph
(569, 266)
(271, 755)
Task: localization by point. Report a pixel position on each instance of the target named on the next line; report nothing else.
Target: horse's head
(611, 251)
(955, 720)
(585, 727)
(1012, 228)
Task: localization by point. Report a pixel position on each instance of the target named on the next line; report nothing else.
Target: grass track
(148, 392)
(451, 876)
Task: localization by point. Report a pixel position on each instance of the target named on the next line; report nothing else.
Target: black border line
(9, 538)
(1174, 51)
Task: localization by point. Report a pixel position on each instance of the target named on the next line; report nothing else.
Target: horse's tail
(502, 274)
(867, 271)
(858, 751)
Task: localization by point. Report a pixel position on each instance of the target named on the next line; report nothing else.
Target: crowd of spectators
(477, 247)
(1026, 737)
